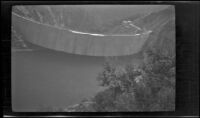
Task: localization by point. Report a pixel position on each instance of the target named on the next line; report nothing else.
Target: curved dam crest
(75, 42)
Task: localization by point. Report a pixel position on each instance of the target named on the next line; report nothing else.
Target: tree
(148, 87)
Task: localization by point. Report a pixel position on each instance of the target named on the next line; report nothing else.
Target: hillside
(160, 22)
(162, 38)
(92, 19)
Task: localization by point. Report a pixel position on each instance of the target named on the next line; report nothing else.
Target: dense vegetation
(148, 87)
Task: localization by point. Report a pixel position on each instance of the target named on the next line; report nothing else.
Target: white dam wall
(77, 42)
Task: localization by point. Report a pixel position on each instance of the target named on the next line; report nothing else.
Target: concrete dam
(77, 42)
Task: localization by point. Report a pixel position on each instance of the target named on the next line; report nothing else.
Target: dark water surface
(54, 79)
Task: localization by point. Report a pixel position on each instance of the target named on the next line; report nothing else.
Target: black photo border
(187, 60)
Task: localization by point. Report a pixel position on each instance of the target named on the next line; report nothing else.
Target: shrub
(148, 87)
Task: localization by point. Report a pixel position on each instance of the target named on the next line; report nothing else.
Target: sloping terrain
(162, 25)
(99, 19)
(37, 73)
(84, 44)
(78, 18)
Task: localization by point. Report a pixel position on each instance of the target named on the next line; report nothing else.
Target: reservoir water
(54, 79)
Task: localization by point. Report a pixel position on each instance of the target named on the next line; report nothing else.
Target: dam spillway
(61, 39)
